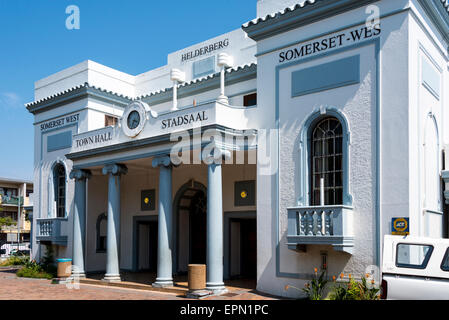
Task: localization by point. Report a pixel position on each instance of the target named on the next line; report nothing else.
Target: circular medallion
(243, 194)
(134, 118)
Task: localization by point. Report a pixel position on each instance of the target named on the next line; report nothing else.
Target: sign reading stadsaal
(330, 42)
(183, 120)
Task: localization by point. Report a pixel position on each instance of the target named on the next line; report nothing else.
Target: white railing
(45, 227)
(49, 230)
(323, 225)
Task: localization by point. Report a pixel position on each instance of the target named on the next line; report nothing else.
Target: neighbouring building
(288, 144)
(16, 197)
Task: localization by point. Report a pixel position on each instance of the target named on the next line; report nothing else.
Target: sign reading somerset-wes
(400, 226)
(330, 42)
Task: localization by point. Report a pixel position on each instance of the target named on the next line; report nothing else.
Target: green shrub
(15, 261)
(315, 288)
(48, 261)
(354, 290)
(26, 272)
(32, 269)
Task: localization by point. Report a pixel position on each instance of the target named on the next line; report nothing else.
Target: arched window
(326, 162)
(59, 184)
(432, 191)
(101, 232)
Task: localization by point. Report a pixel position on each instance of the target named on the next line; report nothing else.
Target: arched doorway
(198, 228)
(190, 209)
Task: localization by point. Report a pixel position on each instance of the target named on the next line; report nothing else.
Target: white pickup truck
(415, 268)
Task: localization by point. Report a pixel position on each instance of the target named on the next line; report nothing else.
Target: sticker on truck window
(414, 256)
(445, 263)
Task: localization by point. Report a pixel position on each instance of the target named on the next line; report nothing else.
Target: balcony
(50, 230)
(321, 225)
(159, 126)
(10, 201)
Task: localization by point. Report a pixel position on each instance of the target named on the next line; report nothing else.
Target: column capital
(161, 161)
(115, 169)
(215, 156)
(80, 174)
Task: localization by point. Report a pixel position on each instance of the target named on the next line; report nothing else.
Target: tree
(6, 222)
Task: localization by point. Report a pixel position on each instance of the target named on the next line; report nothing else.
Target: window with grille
(327, 161)
(101, 233)
(60, 184)
(110, 121)
(250, 100)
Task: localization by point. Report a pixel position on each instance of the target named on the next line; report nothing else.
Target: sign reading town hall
(95, 139)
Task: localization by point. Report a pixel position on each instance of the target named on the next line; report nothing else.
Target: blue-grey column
(165, 236)
(79, 221)
(214, 254)
(113, 222)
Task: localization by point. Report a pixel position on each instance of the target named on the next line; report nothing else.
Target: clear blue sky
(131, 36)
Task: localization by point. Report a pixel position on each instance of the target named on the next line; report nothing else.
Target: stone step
(133, 285)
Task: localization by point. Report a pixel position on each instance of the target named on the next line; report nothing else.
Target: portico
(111, 187)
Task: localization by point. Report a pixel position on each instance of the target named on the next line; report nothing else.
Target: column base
(216, 288)
(223, 99)
(112, 278)
(162, 283)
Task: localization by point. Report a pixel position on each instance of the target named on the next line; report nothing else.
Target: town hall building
(288, 144)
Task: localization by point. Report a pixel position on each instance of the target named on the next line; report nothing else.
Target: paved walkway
(14, 288)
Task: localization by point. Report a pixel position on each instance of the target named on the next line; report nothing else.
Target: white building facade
(266, 152)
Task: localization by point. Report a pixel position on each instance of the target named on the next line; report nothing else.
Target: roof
(309, 11)
(274, 15)
(15, 181)
(81, 91)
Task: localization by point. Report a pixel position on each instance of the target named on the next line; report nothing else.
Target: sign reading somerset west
(331, 42)
(60, 122)
(400, 226)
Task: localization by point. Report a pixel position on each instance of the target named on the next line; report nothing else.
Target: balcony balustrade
(12, 200)
(321, 225)
(49, 230)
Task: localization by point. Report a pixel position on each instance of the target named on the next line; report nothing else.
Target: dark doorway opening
(248, 248)
(242, 244)
(198, 228)
(147, 246)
